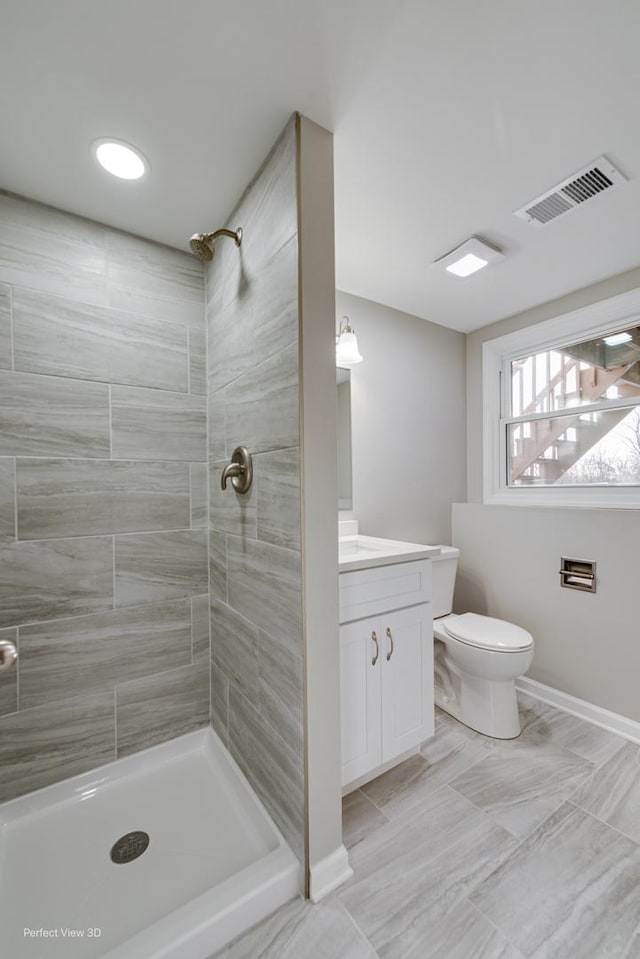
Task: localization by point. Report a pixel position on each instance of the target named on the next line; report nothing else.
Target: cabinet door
(407, 679)
(360, 665)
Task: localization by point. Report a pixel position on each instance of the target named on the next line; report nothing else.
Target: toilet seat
(485, 632)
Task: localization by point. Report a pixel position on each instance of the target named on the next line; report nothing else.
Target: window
(562, 409)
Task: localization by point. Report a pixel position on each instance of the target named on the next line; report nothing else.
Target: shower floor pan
(215, 864)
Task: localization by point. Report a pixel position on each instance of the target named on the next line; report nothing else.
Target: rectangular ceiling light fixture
(472, 255)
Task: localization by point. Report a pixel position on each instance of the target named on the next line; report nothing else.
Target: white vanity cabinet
(386, 665)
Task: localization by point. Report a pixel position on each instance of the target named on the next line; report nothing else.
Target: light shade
(120, 158)
(347, 352)
(469, 257)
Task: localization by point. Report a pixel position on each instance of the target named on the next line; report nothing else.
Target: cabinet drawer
(366, 592)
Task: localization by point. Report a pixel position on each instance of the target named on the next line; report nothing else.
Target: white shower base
(215, 864)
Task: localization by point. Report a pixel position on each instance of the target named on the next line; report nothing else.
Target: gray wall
(408, 422)
(103, 553)
(585, 645)
(255, 558)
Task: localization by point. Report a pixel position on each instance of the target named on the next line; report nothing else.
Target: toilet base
(488, 706)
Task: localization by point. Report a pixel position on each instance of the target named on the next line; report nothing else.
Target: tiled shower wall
(103, 500)
(255, 559)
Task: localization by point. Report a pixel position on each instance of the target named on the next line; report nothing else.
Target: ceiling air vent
(593, 179)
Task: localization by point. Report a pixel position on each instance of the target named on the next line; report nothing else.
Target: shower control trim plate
(8, 655)
(239, 471)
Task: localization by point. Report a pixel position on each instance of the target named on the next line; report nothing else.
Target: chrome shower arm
(234, 234)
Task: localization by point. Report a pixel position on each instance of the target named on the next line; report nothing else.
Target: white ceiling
(447, 114)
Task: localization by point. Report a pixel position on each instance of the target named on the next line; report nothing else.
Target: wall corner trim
(329, 873)
(613, 722)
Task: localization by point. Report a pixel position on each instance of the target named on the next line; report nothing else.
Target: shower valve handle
(239, 470)
(8, 655)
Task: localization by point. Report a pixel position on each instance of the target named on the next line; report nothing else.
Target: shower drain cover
(129, 846)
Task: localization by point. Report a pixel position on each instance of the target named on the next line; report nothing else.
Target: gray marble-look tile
(532, 709)
(53, 579)
(59, 336)
(155, 280)
(274, 771)
(197, 360)
(613, 792)
(260, 321)
(569, 891)
(94, 653)
(158, 425)
(230, 336)
(265, 586)
(200, 617)
(44, 745)
(55, 251)
(74, 497)
(360, 818)
(519, 789)
(464, 933)
(278, 497)
(7, 500)
(231, 512)
(218, 565)
(411, 872)
(234, 648)
(633, 947)
(300, 930)
(217, 448)
(261, 407)
(9, 678)
(153, 567)
(275, 291)
(586, 740)
(199, 479)
(52, 416)
(281, 694)
(267, 211)
(408, 786)
(220, 703)
(6, 360)
(157, 708)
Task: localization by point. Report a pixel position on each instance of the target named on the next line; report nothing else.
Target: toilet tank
(444, 580)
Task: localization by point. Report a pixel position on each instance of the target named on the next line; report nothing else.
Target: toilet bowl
(477, 659)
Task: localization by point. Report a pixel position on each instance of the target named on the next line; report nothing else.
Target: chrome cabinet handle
(8, 655)
(377, 652)
(390, 638)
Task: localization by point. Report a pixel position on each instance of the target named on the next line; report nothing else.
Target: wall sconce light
(347, 352)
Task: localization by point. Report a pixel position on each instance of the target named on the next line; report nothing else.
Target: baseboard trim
(329, 873)
(613, 722)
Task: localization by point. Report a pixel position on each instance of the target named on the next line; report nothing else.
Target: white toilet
(477, 659)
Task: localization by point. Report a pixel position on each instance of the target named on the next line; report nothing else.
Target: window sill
(581, 498)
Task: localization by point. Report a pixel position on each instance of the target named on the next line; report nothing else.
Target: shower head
(201, 246)
(202, 243)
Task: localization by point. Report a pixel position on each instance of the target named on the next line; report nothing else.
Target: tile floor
(481, 849)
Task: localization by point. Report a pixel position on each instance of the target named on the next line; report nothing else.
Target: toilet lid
(488, 633)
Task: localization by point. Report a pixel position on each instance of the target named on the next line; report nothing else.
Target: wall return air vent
(595, 178)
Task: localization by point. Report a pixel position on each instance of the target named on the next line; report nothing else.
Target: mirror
(343, 379)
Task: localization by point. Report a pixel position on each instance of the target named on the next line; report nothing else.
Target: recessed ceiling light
(120, 158)
(616, 339)
(469, 257)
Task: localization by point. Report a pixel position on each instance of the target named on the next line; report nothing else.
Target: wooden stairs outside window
(547, 453)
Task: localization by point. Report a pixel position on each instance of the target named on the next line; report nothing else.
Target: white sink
(364, 552)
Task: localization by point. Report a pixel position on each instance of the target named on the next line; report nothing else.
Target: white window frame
(597, 319)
